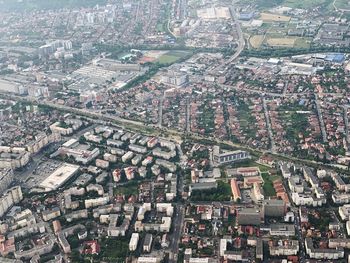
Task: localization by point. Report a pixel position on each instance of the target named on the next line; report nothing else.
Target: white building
(134, 241)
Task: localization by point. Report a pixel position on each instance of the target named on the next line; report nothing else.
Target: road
(346, 121)
(320, 119)
(188, 113)
(269, 128)
(153, 130)
(285, 88)
(160, 111)
(241, 41)
(264, 93)
(177, 231)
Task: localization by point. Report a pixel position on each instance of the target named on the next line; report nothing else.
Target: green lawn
(305, 4)
(130, 188)
(114, 249)
(268, 184)
(251, 163)
(167, 59)
(246, 119)
(302, 43)
(342, 4)
(221, 193)
(160, 27)
(172, 56)
(206, 118)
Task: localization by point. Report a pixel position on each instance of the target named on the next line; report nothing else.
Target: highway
(241, 41)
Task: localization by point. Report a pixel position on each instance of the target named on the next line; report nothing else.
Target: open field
(342, 4)
(172, 56)
(306, 4)
(281, 42)
(302, 42)
(267, 17)
(256, 40)
(268, 183)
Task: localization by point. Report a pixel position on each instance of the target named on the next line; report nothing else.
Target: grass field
(305, 4)
(256, 40)
(172, 56)
(281, 42)
(267, 17)
(342, 4)
(130, 188)
(302, 42)
(268, 184)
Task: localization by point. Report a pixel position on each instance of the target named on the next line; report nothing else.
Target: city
(187, 131)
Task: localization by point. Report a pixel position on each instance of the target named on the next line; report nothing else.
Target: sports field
(256, 41)
(267, 17)
(281, 42)
(172, 56)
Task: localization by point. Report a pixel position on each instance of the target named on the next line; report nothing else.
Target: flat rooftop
(59, 177)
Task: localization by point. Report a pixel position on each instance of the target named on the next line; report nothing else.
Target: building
(163, 226)
(250, 216)
(44, 247)
(229, 157)
(127, 156)
(285, 170)
(11, 197)
(147, 243)
(167, 165)
(114, 230)
(286, 247)
(149, 260)
(42, 140)
(91, 247)
(102, 163)
(344, 212)
(81, 156)
(301, 199)
(103, 200)
(174, 78)
(137, 148)
(321, 253)
(134, 240)
(6, 178)
(77, 214)
(236, 192)
(274, 208)
(50, 214)
(59, 177)
(12, 87)
(259, 250)
(62, 236)
(282, 230)
(13, 157)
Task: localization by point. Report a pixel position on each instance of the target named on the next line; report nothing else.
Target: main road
(153, 130)
(241, 41)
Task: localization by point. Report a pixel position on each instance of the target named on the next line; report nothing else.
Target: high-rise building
(11, 197)
(6, 178)
(250, 216)
(274, 208)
